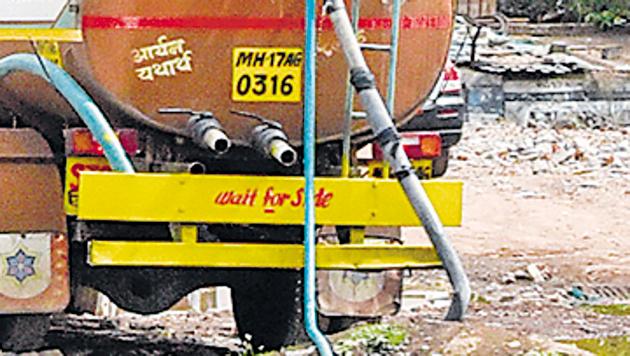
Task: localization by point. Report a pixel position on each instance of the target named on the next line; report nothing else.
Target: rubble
(498, 53)
(535, 273)
(539, 149)
(514, 344)
(567, 114)
(508, 278)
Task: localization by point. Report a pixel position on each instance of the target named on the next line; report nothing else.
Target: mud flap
(359, 293)
(34, 272)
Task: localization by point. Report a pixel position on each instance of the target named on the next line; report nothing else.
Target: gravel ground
(545, 235)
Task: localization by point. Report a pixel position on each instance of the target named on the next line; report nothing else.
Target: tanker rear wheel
(20, 333)
(268, 308)
(335, 324)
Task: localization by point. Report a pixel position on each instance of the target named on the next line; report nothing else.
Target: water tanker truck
(199, 108)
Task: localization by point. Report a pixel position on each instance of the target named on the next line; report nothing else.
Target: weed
(613, 309)
(373, 339)
(619, 345)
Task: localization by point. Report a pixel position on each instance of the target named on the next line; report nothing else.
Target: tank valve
(205, 129)
(270, 139)
(275, 143)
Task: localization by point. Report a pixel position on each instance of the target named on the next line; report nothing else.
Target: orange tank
(142, 55)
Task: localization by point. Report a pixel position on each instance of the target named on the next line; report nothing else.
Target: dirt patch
(537, 246)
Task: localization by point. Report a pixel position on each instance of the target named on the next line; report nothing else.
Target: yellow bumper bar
(184, 198)
(251, 255)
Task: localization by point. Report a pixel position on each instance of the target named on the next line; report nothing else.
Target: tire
(268, 308)
(440, 164)
(19, 333)
(84, 300)
(335, 324)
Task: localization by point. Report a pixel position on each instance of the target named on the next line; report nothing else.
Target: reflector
(417, 145)
(80, 142)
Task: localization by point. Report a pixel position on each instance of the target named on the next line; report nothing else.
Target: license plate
(265, 74)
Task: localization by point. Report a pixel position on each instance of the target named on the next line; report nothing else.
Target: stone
(522, 275)
(563, 156)
(558, 47)
(612, 52)
(590, 184)
(555, 297)
(528, 194)
(535, 273)
(514, 344)
(508, 278)
(540, 167)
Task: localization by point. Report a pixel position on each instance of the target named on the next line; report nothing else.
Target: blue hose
(393, 58)
(310, 307)
(80, 101)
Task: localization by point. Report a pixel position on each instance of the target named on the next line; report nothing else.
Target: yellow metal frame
(256, 255)
(41, 34)
(357, 235)
(382, 169)
(185, 198)
(74, 167)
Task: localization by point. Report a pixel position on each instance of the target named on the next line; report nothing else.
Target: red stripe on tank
(255, 23)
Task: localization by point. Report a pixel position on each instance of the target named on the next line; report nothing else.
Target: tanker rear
(139, 56)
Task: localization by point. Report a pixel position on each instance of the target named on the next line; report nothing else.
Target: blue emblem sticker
(21, 266)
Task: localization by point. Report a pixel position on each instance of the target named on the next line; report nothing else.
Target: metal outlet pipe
(272, 141)
(176, 167)
(204, 129)
(282, 152)
(207, 132)
(389, 140)
(217, 141)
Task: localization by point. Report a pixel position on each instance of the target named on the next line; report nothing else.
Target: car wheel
(440, 164)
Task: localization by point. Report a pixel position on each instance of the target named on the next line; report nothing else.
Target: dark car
(443, 113)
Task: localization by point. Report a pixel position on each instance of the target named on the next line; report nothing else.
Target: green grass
(613, 309)
(612, 346)
(477, 298)
(372, 339)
